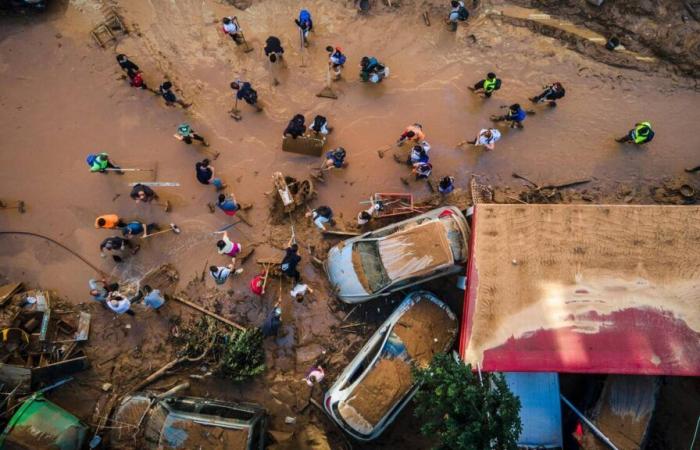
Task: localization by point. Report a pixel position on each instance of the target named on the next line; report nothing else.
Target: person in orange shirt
(109, 221)
(413, 133)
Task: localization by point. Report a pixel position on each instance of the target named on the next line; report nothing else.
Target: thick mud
(63, 97)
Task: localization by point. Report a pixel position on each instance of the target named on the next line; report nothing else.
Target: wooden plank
(83, 327)
(7, 291)
(209, 313)
(304, 145)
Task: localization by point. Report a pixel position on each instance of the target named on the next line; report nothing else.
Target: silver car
(377, 384)
(398, 256)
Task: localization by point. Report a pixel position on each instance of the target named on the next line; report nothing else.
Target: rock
(241, 4)
(308, 354)
(106, 387)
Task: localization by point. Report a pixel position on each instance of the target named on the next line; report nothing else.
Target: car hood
(342, 274)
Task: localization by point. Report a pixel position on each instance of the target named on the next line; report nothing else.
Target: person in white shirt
(120, 305)
(365, 216)
(299, 290)
(487, 137)
(227, 247)
(321, 216)
(233, 29)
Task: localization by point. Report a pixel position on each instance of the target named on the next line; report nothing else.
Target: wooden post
(209, 313)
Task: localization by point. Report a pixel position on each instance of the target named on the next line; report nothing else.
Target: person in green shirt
(100, 163)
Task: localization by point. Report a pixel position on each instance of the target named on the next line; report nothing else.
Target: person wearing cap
(640, 134)
(109, 221)
(487, 137)
(487, 86)
(551, 94)
(232, 28)
(166, 91)
(186, 134)
(272, 323)
(336, 61)
(142, 193)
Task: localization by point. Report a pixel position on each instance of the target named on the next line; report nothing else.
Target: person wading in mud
(109, 221)
(516, 115)
(244, 91)
(205, 174)
(305, 25)
(187, 135)
(165, 91)
(487, 86)
(226, 246)
(336, 61)
(274, 52)
(487, 137)
(100, 163)
(136, 229)
(446, 185)
(411, 133)
(321, 216)
(458, 13)
(232, 28)
(551, 94)
(290, 262)
(132, 71)
(142, 193)
(227, 204)
(116, 246)
(295, 128)
(640, 134)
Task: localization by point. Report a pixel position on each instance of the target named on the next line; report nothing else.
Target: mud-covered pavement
(62, 98)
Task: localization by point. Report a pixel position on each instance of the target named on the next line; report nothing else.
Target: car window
(366, 361)
(227, 412)
(455, 237)
(368, 266)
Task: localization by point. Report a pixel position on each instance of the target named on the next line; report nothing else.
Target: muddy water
(61, 99)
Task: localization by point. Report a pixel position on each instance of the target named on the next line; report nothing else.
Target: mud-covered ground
(62, 97)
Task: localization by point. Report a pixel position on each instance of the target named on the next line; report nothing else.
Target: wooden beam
(209, 313)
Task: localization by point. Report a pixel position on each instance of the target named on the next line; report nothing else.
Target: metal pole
(590, 425)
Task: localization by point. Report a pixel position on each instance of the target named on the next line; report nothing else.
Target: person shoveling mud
(487, 86)
(515, 116)
(165, 90)
(551, 94)
(640, 134)
(371, 70)
(458, 13)
(244, 91)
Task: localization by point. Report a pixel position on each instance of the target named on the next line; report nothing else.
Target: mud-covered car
(377, 384)
(188, 422)
(400, 255)
(27, 4)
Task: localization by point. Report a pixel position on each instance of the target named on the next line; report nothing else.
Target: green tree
(464, 413)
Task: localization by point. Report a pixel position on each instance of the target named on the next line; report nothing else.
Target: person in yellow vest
(640, 134)
(109, 221)
(487, 86)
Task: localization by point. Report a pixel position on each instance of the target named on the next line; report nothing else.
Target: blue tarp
(541, 409)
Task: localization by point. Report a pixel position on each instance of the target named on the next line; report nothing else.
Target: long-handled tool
(156, 183)
(327, 91)
(204, 148)
(19, 206)
(235, 112)
(127, 170)
(301, 47)
(174, 228)
(248, 48)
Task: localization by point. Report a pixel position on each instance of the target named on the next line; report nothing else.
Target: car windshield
(368, 266)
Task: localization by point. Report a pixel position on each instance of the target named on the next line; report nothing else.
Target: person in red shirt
(256, 284)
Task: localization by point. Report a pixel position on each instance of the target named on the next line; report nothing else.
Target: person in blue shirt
(228, 204)
(446, 185)
(305, 25)
(516, 115)
(244, 91)
(153, 298)
(418, 154)
(135, 228)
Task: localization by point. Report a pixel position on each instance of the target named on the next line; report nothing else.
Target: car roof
(415, 251)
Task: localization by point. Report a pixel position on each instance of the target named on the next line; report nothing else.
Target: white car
(400, 255)
(377, 384)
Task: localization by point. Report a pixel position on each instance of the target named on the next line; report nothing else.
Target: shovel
(301, 48)
(128, 170)
(248, 48)
(19, 206)
(327, 91)
(174, 228)
(235, 112)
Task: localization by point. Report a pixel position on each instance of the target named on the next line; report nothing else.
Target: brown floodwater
(61, 98)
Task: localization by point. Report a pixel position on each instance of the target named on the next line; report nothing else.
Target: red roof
(584, 288)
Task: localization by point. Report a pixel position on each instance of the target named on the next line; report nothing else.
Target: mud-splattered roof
(584, 288)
